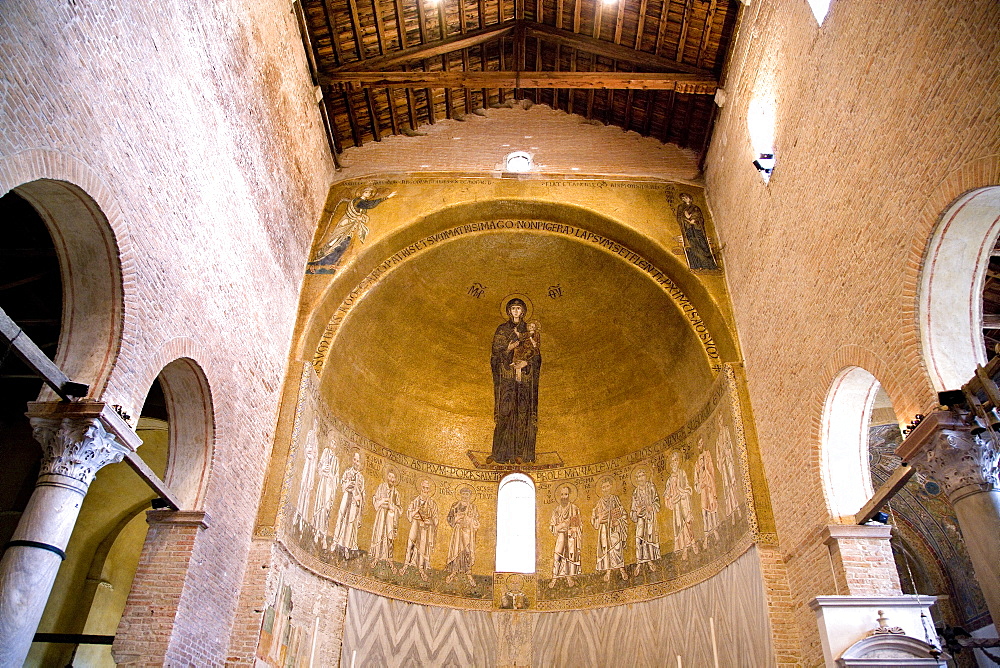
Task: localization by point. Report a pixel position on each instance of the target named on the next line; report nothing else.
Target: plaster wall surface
(882, 117)
(194, 128)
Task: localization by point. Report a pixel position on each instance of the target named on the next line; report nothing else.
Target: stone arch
(847, 410)
(91, 241)
(951, 284)
(192, 424)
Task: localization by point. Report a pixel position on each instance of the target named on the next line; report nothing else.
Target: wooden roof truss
(389, 66)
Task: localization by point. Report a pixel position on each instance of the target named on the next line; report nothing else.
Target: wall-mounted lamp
(518, 161)
(765, 164)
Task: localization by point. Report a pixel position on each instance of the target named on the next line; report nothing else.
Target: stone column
(965, 465)
(76, 443)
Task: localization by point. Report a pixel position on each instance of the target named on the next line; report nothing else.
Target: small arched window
(516, 524)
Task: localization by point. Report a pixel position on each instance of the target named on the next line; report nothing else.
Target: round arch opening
(951, 287)
(847, 480)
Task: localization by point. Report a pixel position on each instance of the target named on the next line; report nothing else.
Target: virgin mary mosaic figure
(516, 360)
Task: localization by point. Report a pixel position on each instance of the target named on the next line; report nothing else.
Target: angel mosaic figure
(352, 225)
(677, 495)
(704, 482)
(645, 506)
(611, 522)
(696, 246)
(566, 526)
(345, 535)
(463, 517)
(423, 515)
(388, 508)
(328, 470)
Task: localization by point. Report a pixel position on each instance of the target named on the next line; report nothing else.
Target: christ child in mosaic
(423, 515)
(528, 345)
(645, 506)
(566, 526)
(611, 522)
(704, 482)
(677, 495)
(463, 518)
(388, 508)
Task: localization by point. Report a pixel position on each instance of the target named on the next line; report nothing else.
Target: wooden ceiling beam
(685, 23)
(610, 50)
(401, 24)
(686, 83)
(380, 33)
(429, 50)
(352, 10)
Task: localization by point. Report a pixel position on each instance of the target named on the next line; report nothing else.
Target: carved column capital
(962, 463)
(945, 449)
(75, 447)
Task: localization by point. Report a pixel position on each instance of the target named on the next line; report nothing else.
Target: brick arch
(96, 259)
(973, 175)
(841, 404)
(191, 411)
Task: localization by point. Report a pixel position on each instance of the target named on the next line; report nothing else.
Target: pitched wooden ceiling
(390, 66)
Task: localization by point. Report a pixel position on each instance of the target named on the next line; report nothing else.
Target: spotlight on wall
(881, 517)
(765, 164)
(518, 161)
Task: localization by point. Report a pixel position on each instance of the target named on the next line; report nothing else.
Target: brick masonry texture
(559, 143)
(194, 128)
(884, 115)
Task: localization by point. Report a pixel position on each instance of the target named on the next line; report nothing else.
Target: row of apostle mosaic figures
(611, 521)
(314, 507)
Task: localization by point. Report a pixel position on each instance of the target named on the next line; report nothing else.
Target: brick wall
(883, 116)
(559, 142)
(194, 127)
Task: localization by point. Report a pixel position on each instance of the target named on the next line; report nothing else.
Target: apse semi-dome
(410, 366)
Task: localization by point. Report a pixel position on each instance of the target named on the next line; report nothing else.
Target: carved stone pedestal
(77, 439)
(944, 448)
(845, 621)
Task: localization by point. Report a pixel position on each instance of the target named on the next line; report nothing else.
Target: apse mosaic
(636, 527)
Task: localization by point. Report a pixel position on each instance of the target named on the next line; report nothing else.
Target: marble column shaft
(73, 450)
(966, 467)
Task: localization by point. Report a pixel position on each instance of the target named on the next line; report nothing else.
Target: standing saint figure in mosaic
(388, 508)
(345, 535)
(645, 506)
(423, 515)
(463, 518)
(677, 495)
(566, 526)
(328, 472)
(727, 466)
(304, 498)
(611, 522)
(704, 482)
